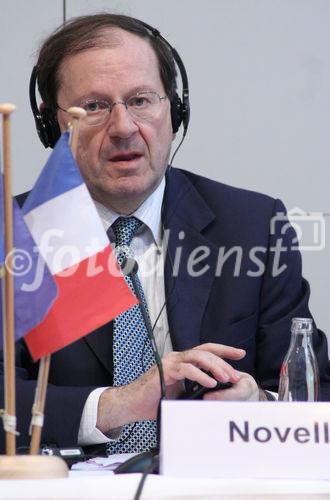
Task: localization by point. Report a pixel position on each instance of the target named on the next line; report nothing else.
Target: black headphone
(46, 122)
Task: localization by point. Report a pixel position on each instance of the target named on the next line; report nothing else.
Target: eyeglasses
(141, 106)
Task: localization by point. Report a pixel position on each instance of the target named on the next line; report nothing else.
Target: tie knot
(124, 229)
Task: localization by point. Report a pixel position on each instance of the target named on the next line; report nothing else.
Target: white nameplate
(245, 439)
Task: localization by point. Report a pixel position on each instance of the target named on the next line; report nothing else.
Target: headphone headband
(46, 122)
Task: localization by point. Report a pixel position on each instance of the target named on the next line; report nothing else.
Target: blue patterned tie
(132, 352)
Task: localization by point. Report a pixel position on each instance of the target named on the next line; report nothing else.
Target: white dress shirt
(148, 251)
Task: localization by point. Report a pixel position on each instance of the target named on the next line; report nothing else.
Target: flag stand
(16, 466)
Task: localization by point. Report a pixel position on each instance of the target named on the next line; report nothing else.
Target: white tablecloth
(103, 486)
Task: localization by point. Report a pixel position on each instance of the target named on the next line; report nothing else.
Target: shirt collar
(149, 213)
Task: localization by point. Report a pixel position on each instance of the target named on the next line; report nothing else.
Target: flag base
(32, 467)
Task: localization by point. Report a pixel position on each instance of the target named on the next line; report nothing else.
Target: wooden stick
(9, 334)
(76, 115)
(39, 405)
(41, 389)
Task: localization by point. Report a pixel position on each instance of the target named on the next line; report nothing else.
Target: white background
(259, 74)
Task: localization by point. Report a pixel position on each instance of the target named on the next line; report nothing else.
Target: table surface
(100, 485)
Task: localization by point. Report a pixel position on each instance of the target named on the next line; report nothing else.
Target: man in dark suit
(232, 282)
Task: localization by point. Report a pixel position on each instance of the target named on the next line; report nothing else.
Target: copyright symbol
(18, 262)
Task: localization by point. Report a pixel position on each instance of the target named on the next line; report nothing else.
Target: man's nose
(121, 124)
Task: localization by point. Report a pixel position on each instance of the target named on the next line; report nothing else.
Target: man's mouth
(125, 157)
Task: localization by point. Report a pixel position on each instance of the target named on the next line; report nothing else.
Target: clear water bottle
(299, 377)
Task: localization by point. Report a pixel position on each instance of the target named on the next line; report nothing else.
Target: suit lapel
(185, 216)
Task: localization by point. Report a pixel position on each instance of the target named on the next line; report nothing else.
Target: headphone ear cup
(48, 129)
(176, 113)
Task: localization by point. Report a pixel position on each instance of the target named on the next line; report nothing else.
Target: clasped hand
(139, 400)
(193, 365)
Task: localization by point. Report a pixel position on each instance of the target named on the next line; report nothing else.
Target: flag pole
(14, 466)
(41, 389)
(76, 115)
(9, 416)
(38, 407)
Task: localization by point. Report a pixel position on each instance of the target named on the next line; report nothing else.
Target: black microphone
(146, 460)
(130, 268)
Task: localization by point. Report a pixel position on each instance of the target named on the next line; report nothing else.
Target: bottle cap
(302, 325)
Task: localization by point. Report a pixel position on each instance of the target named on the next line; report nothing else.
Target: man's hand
(194, 363)
(140, 399)
(246, 389)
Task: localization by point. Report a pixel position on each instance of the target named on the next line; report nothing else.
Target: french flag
(70, 237)
(31, 303)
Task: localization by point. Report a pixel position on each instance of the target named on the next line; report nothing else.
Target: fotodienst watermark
(288, 232)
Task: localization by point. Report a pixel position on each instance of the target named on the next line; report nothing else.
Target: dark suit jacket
(223, 234)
